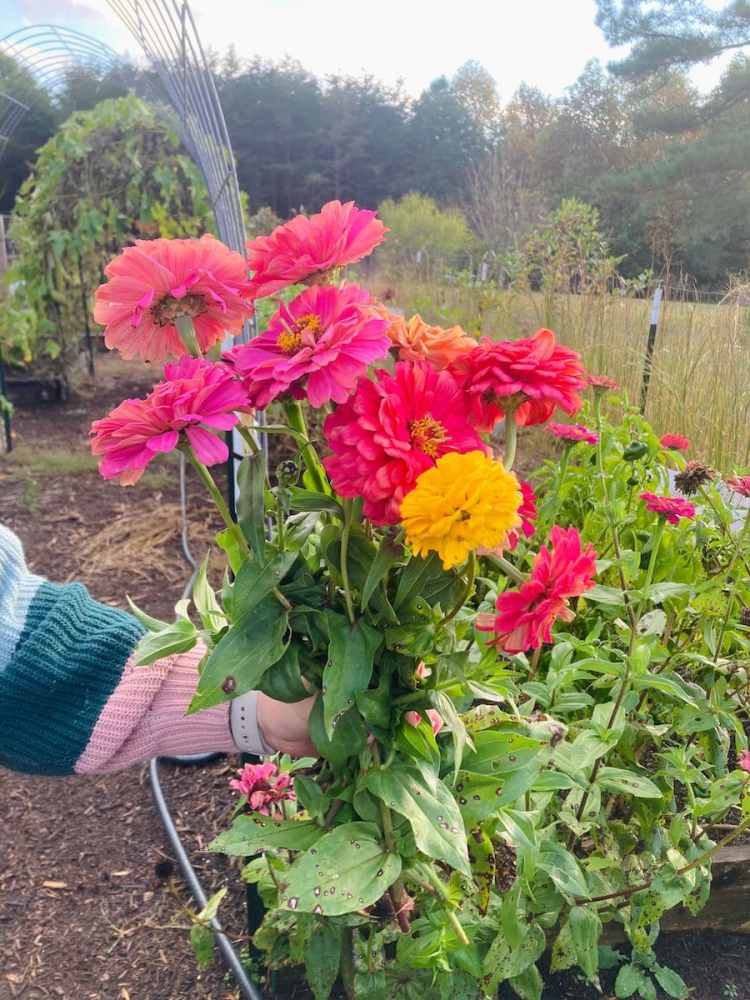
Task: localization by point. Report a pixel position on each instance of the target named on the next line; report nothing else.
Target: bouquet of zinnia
(356, 575)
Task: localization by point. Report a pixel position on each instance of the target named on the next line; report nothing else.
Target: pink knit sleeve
(145, 717)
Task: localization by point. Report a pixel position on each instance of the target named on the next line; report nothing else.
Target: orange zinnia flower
(417, 340)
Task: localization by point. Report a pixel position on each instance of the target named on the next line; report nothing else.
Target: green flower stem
(186, 330)
(279, 429)
(246, 434)
(508, 568)
(733, 589)
(310, 457)
(390, 842)
(348, 514)
(511, 439)
(440, 890)
(347, 962)
(471, 574)
(655, 546)
(218, 499)
(559, 481)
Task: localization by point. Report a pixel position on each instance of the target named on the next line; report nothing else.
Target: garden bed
(107, 923)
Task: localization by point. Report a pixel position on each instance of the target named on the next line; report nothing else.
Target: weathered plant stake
(530, 699)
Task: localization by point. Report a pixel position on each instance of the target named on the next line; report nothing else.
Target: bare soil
(91, 904)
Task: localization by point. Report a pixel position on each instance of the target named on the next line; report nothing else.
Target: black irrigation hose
(229, 955)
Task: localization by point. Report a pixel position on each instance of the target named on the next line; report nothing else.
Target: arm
(72, 700)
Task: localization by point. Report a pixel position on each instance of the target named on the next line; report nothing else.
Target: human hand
(285, 726)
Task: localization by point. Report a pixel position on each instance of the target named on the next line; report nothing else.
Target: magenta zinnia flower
(318, 345)
(527, 512)
(572, 432)
(195, 392)
(263, 787)
(392, 429)
(672, 508)
(744, 760)
(674, 441)
(308, 248)
(155, 282)
(530, 377)
(525, 616)
(739, 484)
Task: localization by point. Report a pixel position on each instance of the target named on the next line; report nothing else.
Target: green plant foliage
(108, 176)
(424, 235)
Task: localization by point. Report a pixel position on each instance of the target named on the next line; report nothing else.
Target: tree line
(666, 166)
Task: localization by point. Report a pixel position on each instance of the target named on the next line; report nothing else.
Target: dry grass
(699, 383)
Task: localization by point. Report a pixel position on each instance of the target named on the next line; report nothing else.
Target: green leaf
(212, 617)
(529, 984)
(388, 555)
(211, 908)
(605, 595)
(506, 961)
(659, 592)
(251, 834)
(322, 958)
(447, 710)
(177, 637)
(430, 809)
(251, 482)
(241, 657)
(309, 500)
(585, 930)
(349, 736)
(563, 868)
(615, 779)
(412, 576)
(227, 542)
(375, 703)
(670, 982)
(349, 868)
(351, 653)
(500, 752)
(202, 941)
(283, 681)
(629, 979)
(152, 624)
(256, 579)
(668, 684)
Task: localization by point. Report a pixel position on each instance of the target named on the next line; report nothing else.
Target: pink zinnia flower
(744, 760)
(391, 430)
(739, 484)
(534, 375)
(527, 512)
(307, 248)
(264, 787)
(422, 671)
(525, 616)
(674, 441)
(319, 344)
(670, 507)
(414, 718)
(155, 282)
(601, 383)
(195, 392)
(572, 432)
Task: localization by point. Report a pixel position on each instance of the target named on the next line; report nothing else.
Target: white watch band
(243, 721)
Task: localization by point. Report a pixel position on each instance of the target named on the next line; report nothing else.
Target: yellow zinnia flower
(466, 501)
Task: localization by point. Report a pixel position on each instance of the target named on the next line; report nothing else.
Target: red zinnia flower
(670, 507)
(602, 383)
(306, 248)
(194, 392)
(573, 432)
(674, 441)
(264, 787)
(534, 374)
(318, 344)
(155, 282)
(739, 484)
(525, 616)
(391, 430)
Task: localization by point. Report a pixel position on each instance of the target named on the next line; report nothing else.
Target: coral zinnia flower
(318, 344)
(155, 282)
(672, 508)
(572, 432)
(525, 616)
(391, 430)
(530, 376)
(264, 787)
(674, 441)
(307, 248)
(739, 484)
(465, 502)
(194, 392)
(414, 718)
(416, 340)
(601, 383)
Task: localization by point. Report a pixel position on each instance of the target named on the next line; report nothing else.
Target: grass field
(700, 382)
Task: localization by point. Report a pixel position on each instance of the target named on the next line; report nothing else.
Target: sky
(545, 43)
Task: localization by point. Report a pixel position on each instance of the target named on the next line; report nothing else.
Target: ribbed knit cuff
(145, 717)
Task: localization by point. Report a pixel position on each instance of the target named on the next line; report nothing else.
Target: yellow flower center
(290, 340)
(427, 434)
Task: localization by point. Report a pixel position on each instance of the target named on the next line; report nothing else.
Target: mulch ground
(92, 906)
